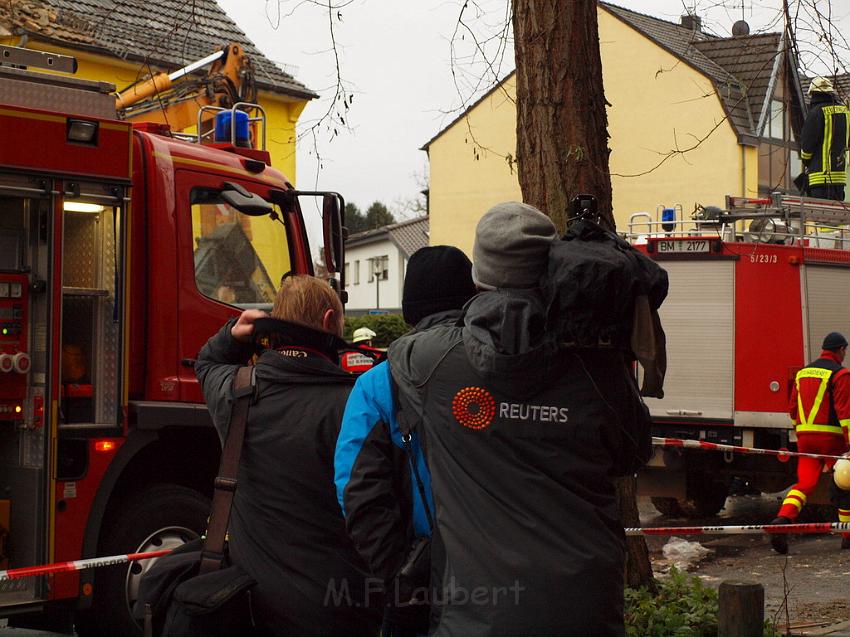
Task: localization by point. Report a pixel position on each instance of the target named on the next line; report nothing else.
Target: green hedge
(388, 327)
(684, 607)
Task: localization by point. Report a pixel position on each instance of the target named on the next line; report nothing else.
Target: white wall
(361, 296)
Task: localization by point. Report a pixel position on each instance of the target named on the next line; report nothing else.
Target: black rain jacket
(823, 142)
(286, 528)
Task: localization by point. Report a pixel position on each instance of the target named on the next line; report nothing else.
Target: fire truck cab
(122, 249)
(754, 288)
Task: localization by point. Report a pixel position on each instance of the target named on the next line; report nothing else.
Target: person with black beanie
(437, 285)
(438, 280)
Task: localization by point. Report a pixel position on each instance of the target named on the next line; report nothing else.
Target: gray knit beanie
(511, 248)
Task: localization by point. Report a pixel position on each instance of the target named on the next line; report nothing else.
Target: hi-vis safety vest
(821, 370)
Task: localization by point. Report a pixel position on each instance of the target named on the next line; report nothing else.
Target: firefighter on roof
(820, 409)
(823, 143)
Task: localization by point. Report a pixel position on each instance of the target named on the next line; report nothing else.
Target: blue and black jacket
(383, 507)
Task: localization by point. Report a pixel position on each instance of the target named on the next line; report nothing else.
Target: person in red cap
(820, 409)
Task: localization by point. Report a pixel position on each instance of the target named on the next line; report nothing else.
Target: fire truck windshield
(239, 259)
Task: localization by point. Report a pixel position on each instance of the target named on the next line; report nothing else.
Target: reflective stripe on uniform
(831, 429)
(826, 146)
(828, 177)
(807, 422)
(796, 498)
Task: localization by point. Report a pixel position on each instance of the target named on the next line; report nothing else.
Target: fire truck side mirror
(244, 201)
(333, 229)
(333, 232)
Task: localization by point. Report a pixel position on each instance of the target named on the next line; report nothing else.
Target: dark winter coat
(823, 142)
(521, 440)
(286, 528)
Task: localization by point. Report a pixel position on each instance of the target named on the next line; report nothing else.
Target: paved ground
(814, 577)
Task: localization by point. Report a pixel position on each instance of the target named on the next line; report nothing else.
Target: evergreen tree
(378, 215)
(355, 220)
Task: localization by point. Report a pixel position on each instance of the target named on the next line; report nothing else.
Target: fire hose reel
(21, 362)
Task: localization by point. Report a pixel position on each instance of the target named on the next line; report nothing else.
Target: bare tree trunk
(638, 566)
(562, 126)
(562, 147)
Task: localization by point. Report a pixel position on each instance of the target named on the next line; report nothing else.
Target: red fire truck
(754, 288)
(122, 248)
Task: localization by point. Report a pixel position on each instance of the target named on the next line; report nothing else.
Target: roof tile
(410, 236)
(841, 83)
(169, 34)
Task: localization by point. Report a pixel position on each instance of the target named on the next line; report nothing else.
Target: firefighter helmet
(841, 474)
(363, 334)
(821, 85)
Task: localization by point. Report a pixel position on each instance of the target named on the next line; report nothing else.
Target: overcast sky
(395, 59)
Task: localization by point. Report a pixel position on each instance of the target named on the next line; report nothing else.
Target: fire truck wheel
(162, 516)
(702, 501)
(668, 507)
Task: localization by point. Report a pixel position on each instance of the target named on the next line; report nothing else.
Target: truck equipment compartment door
(827, 302)
(698, 318)
(28, 227)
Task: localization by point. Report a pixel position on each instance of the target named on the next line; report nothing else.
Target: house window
(356, 272)
(774, 168)
(775, 124)
(347, 273)
(778, 151)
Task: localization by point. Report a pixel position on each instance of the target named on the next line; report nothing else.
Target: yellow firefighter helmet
(841, 474)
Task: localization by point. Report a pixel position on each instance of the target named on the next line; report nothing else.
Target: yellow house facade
(121, 49)
(684, 130)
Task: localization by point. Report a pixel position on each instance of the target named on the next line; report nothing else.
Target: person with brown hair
(286, 528)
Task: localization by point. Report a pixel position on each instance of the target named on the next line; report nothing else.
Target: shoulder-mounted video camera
(584, 207)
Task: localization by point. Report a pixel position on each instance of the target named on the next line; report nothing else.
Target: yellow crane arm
(176, 98)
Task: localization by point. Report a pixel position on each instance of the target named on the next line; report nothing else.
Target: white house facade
(375, 263)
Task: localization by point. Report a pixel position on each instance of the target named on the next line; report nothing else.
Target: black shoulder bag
(415, 573)
(194, 591)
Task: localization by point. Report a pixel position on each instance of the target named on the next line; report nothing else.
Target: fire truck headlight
(82, 131)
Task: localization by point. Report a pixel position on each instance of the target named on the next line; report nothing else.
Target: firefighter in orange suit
(820, 409)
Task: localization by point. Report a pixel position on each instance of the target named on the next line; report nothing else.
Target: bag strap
(212, 554)
(407, 441)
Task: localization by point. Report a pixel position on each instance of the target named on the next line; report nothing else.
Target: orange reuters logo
(474, 407)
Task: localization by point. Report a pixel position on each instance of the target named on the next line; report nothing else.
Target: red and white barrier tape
(782, 454)
(747, 529)
(77, 565)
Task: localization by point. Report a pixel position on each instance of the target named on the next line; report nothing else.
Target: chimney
(692, 22)
(740, 29)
